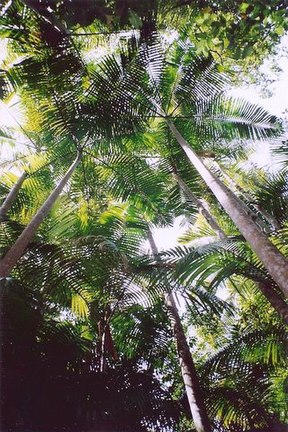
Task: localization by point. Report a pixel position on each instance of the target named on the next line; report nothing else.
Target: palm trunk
(188, 371)
(102, 353)
(201, 207)
(107, 344)
(234, 185)
(12, 195)
(18, 248)
(274, 262)
(251, 213)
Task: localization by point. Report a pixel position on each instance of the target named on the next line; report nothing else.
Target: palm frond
(257, 356)
(142, 333)
(115, 96)
(223, 258)
(200, 82)
(268, 348)
(272, 194)
(224, 118)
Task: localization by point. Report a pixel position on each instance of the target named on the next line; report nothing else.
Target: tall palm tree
(17, 249)
(191, 381)
(187, 94)
(39, 56)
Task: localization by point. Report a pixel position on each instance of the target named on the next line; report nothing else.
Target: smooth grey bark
(18, 248)
(188, 370)
(201, 207)
(234, 185)
(273, 260)
(102, 354)
(12, 195)
(251, 213)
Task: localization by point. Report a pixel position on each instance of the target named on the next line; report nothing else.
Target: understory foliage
(86, 336)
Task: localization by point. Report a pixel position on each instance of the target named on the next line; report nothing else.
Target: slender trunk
(107, 344)
(250, 212)
(102, 353)
(18, 248)
(188, 371)
(274, 262)
(12, 195)
(201, 207)
(234, 185)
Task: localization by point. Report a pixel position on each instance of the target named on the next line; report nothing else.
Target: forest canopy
(120, 123)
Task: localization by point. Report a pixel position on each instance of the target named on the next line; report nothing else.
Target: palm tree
(87, 119)
(50, 94)
(43, 74)
(192, 88)
(275, 263)
(191, 381)
(17, 249)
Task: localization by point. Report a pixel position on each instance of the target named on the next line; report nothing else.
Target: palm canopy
(147, 71)
(198, 91)
(173, 82)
